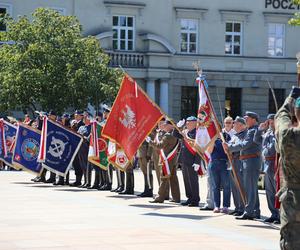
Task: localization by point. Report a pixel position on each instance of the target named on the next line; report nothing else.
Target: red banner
(132, 118)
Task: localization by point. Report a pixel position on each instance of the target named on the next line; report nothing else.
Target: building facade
(243, 47)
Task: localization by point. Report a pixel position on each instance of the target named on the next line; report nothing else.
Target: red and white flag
(132, 118)
(117, 156)
(207, 126)
(42, 152)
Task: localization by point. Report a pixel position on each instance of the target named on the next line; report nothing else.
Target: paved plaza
(41, 216)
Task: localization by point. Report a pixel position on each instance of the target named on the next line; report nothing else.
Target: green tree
(47, 62)
(296, 19)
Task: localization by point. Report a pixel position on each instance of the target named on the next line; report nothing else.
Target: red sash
(167, 159)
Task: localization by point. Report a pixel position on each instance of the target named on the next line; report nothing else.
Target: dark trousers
(270, 187)
(251, 171)
(191, 183)
(237, 199)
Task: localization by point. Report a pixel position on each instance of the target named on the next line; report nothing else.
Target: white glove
(148, 139)
(181, 123)
(196, 167)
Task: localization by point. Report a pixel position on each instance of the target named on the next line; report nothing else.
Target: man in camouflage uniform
(288, 139)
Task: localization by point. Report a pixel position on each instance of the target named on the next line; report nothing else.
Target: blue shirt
(218, 152)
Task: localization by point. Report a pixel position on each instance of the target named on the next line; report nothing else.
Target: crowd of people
(238, 155)
(251, 147)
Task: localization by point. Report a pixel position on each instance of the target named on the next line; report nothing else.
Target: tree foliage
(47, 62)
(296, 19)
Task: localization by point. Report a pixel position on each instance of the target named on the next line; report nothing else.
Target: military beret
(78, 112)
(240, 120)
(65, 115)
(297, 103)
(271, 116)
(252, 115)
(191, 119)
(52, 112)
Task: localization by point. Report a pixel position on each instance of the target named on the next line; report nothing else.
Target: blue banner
(10, 136)
(27, 149)
(61, 147)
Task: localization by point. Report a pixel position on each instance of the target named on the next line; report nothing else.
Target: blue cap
(240, 120)
(78, 112)
(66, 115)
(297, 103)
(252, 115)
(191, 119)
(271, 116)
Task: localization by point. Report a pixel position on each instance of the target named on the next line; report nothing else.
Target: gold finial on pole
(196, 66)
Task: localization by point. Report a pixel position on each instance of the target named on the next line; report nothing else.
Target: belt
(292, 185)
(270, 158)
(245, 157)
(219, 160)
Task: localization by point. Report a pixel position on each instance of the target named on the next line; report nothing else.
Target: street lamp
(298, 67)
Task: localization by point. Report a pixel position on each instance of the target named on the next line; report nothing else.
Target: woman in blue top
(220, 175)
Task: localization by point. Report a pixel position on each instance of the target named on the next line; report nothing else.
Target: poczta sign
(281, 4)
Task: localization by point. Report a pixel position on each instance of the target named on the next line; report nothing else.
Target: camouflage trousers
(290, 219)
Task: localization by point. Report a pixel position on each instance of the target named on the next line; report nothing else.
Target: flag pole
(239, 186)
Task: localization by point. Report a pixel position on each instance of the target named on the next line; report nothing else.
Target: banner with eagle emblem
(132, 118)
(207, 125)
(27, 149)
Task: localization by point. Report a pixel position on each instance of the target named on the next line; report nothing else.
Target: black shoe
(257, 217)
(115, 189)
(93, 187)
(244, 216)
(234, 212)
(186, 203)
(167, 198)
(146, 194)
(127, 192)
(75, 184)
(59, 183)
(270, 220)
(193, 204)
(50, 181)
(120, 189)
(35, 179)
(276, 221)
(206, 208)
(238, 214)
(156, 201)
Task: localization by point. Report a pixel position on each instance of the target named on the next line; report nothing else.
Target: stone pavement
(40, 217)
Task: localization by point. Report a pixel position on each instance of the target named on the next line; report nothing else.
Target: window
(233, 98)
(280, 97)
(233, 38)
(123, 28)
(276, 39)
(189, 101)
(188, 36)
(3, 11)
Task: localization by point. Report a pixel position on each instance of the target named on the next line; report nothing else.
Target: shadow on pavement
(180, 216)
(155, 207)
(43, 186)
(125, 197)
(25, 183)
(265, 226)
(75, 190)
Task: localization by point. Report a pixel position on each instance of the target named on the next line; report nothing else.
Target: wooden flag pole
(237, 180)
